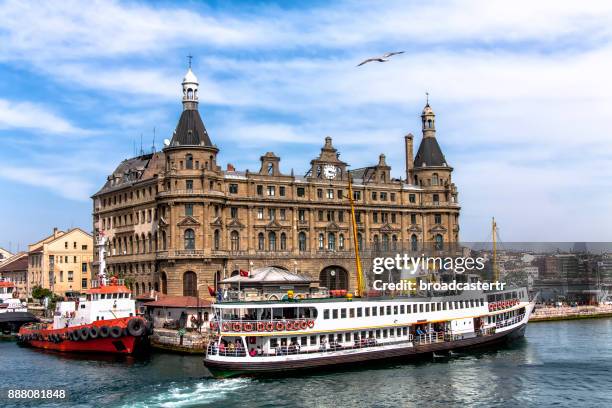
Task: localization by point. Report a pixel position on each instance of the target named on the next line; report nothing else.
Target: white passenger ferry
(266, 337)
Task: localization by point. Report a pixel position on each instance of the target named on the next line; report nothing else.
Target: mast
(360, 279)
(494, 235)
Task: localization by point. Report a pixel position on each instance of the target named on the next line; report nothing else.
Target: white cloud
(27, 115)
(68, 184)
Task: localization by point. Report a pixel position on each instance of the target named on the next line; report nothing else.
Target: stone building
(15, 268)
(61, 262)
(176, 221)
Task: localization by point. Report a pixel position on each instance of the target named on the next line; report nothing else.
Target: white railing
(434, 337)
(510, 322)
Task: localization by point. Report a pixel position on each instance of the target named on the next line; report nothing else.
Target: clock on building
(330, 171)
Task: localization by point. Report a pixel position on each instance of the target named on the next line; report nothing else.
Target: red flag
(211, 291)
(244, 273)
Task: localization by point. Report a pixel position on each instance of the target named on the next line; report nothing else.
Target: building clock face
(330, 171)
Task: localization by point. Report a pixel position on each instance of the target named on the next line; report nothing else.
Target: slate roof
(17, 262)
(190, 130)
(429, 154)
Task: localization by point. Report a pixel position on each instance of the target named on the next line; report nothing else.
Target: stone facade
(177, 222)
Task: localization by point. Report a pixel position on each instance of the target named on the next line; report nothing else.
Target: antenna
(153, 139)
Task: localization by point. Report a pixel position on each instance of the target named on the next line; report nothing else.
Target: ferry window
(303, 341)
(385, 334)
(394, 309)
(382, 310)
(405, 331)
(388, 310)
(313, 340)
(351, 312)
(359, 312)
(420, 308)
(378, 334)
(273, 342)
(444, 305)
(363, 334)
(367, 312)
(347, 337)
(402, 309)
(391, 332)
(481, 302)
(398, 331)
(427, 308)
(374, 309)
(343, 313)
(408, 308)
(433, 307)
(356, 336)
(335, 313)
(440, 306)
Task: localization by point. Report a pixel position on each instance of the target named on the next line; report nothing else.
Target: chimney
(230, 167)
(55, 232)
(408, 139)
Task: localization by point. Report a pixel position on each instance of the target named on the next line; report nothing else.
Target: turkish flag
(211, 291)
(244, 273)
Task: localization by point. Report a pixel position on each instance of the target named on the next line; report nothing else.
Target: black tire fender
(136, 327)
(104, 331)
(115, 332)
(84, 333)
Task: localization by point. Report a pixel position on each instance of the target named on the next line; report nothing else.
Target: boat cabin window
(359, 312)
(402, 308)
(335, 313)
(382, 310)
(408, 308)
(343, 313)
(313, 340)
(367, 312)
(420, 308)
(326, 314)
(395, 309)
(427, 308)
(388, 310)
(433, 307)
(374, 309)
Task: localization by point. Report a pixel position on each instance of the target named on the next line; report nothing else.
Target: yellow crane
(494, 235)
(360, 278)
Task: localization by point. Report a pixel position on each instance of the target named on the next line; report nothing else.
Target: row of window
(119, 198)
(409, 308)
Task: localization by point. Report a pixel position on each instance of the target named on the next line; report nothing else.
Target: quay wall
(547, 314)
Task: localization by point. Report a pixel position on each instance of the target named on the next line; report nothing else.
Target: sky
(521, 91)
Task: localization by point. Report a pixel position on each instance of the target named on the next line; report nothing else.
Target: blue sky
(521, 90)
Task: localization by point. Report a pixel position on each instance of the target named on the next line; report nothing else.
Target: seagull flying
(384, 58)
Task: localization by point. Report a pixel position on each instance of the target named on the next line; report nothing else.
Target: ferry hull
(231, 369)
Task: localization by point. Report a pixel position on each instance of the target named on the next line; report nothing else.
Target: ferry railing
(509, 322)
(434, 337)
(213, 349)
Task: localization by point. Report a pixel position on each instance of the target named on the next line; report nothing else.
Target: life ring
(280, 326)
(136, 327)
(248, 327)
(311, 324)
(261, 326)
(289, 325)
(303, 324)
(269, 326)
(225, 326)
(236, 327)
(115, 332)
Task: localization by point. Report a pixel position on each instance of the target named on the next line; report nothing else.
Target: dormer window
(189, 162)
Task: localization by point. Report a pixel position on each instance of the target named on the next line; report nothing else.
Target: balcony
(124, 228)
(174, 193)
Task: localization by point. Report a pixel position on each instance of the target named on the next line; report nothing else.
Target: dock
(549, 314)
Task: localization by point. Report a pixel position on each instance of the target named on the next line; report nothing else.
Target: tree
(39, 292)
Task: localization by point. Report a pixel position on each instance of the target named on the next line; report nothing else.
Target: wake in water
(190, 395)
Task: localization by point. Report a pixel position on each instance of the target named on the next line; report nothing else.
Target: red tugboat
(102, 321)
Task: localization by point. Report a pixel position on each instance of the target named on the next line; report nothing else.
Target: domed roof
(427, 110)
(190, 77)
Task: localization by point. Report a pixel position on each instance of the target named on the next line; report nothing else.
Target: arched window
(302, 241)
(190, 284)
(331, 241)
(260, 241)
(137, 244)
(394, 242)
(189, 93)
(235, 238)
(321, 241)
(283, 241)
(360, 241)
(414, 242)
(434, 179)
(385, 242)
(341, 242)
(439, 242)
(376, 243)
(429, 123)
(216, 240)
(189, 239)
(272, 241)
(189, 162)
(143, 243)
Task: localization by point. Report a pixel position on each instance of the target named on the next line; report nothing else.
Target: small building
(270, 283)
(4, 255)
(179, 312)
(15, 269)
